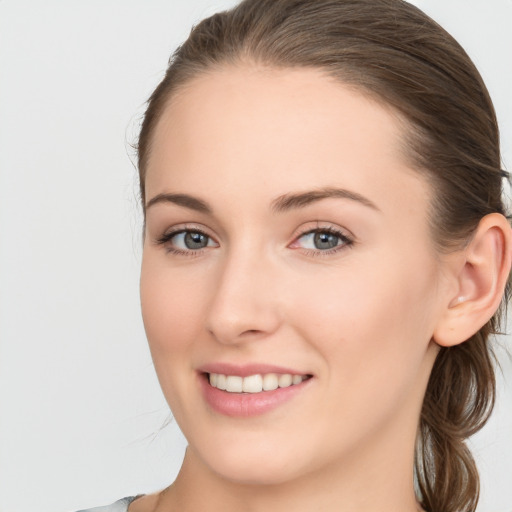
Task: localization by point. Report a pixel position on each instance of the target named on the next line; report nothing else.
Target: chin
(265, 474)
(255, 466)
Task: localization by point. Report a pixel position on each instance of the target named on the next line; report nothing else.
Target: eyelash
(166, 238)
(345, 241)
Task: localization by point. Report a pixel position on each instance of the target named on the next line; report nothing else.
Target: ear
(480, 272)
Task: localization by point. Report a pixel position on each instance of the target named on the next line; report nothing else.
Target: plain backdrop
(81, 413)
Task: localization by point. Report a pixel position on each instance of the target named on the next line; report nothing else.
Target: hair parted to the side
(392, 51)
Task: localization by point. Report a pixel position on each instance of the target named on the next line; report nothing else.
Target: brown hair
(397, 54)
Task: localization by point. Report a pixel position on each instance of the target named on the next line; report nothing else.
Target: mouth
(250, 390)
(257, 383)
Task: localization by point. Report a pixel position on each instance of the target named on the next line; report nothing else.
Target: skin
(360, 319)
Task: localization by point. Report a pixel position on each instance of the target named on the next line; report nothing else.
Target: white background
(80, 408)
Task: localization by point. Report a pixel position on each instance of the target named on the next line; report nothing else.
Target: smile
(254, 383)
(251, 390)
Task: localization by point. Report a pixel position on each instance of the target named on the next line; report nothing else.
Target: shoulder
(118, 506)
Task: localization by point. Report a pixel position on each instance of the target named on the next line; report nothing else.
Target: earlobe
(481, 277)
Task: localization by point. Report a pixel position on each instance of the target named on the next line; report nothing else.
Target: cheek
(170, 310)
(172, 319)
(371, 326)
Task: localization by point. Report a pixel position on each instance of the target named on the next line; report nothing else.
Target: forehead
(236, 128)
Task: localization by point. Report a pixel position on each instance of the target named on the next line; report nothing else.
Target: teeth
(270, 382)
(234, 384)
(286, 380)
(221, 381)
(297, 379)
(254, 383)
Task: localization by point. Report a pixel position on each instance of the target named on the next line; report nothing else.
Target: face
(287, 242)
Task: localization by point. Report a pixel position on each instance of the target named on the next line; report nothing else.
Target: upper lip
(247, 369)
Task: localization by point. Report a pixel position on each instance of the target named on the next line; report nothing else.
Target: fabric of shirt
(118, 506)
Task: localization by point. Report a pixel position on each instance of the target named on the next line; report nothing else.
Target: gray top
(118, 506)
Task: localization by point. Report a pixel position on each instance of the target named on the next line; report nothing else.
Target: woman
(325, 255)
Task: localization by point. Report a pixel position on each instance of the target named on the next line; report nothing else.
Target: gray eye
(194, 240)
(321, 240)
(324, 240)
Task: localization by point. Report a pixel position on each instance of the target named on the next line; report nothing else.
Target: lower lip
(248, 404)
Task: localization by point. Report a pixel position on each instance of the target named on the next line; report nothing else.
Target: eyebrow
(292, 201)
(281, 204)
(188, 201)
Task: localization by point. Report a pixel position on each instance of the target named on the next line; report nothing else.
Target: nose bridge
(244, 303)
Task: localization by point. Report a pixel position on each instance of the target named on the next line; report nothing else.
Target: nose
(245, 304)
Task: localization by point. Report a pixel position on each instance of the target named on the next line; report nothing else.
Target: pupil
(325, 240)
(195, 240)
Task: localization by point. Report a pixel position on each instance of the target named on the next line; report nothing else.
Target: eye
(186, 241)
(192, 240)
(322, 240)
